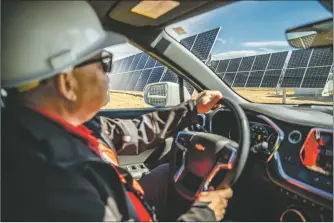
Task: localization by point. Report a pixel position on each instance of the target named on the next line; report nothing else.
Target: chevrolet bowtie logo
(200, 147)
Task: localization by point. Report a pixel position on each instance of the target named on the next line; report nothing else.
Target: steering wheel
(201, 160)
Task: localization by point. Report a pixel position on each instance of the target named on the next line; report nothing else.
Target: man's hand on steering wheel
(207, 100)
(217, 200)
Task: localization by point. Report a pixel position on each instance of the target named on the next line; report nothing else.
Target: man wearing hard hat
(53, 167)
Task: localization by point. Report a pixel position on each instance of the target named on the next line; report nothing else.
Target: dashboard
(297, 158)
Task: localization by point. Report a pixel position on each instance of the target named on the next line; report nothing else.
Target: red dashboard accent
(309, 154)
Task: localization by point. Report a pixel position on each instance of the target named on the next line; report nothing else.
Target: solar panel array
(305, 68)
(133, 73)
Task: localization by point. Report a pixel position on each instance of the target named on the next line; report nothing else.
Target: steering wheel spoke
(225, 163)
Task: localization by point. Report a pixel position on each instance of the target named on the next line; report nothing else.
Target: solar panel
(128, 64)
(229, 77)
(204, 43)
(270, 78)
(122, 64)
(158, 64)
(135, 62)
(246, 63)
(321, 57)
(221, 75)
(142, 80)
(233, 65)
(133, 80)
(155, 75)
(113, 81)
(124, 80)
(316, 77)
(115, 66)
(118, 67)
(240, 79)
(254, 79)
(150, 62)
(170, 76)
(213, 64)
(293, 78)
(261, 62)
(188, 42)
(142, 61)
(277, 60)
(299, 58)
(222, 66)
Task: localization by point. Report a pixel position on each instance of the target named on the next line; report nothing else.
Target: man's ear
(66, 84)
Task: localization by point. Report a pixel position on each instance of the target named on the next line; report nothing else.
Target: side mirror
(164, 94)
(314, 35)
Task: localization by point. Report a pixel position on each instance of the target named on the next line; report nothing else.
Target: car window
(132, 71)
(244, 43)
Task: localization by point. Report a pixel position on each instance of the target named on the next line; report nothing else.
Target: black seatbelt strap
(181, 90)
(129, 187)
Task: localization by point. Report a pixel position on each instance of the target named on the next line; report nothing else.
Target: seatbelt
(144, 214)
(181, 90)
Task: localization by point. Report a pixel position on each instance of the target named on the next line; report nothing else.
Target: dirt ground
(121, 99)
(270, 96)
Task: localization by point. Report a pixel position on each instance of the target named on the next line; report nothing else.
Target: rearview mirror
(164, 94)
(314, 35)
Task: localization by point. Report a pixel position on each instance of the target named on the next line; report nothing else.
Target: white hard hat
(43, 38)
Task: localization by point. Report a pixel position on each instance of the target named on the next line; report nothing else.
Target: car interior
(262, 150)
(275, 183)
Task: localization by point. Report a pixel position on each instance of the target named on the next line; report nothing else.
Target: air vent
(295, 137)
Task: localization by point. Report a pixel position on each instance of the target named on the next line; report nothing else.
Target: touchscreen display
(317, 151)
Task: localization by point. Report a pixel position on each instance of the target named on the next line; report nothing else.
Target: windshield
(244, 43)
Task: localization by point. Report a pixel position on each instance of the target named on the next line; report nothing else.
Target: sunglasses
(105, 60)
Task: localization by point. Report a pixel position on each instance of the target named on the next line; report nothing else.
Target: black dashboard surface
(294, 115)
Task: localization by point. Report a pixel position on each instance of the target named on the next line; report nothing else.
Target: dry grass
(122, 99)
(270, 96)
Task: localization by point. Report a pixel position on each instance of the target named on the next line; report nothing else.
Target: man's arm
(133, 136)
(130, 137)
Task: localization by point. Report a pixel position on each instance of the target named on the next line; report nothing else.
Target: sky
(247, 27)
